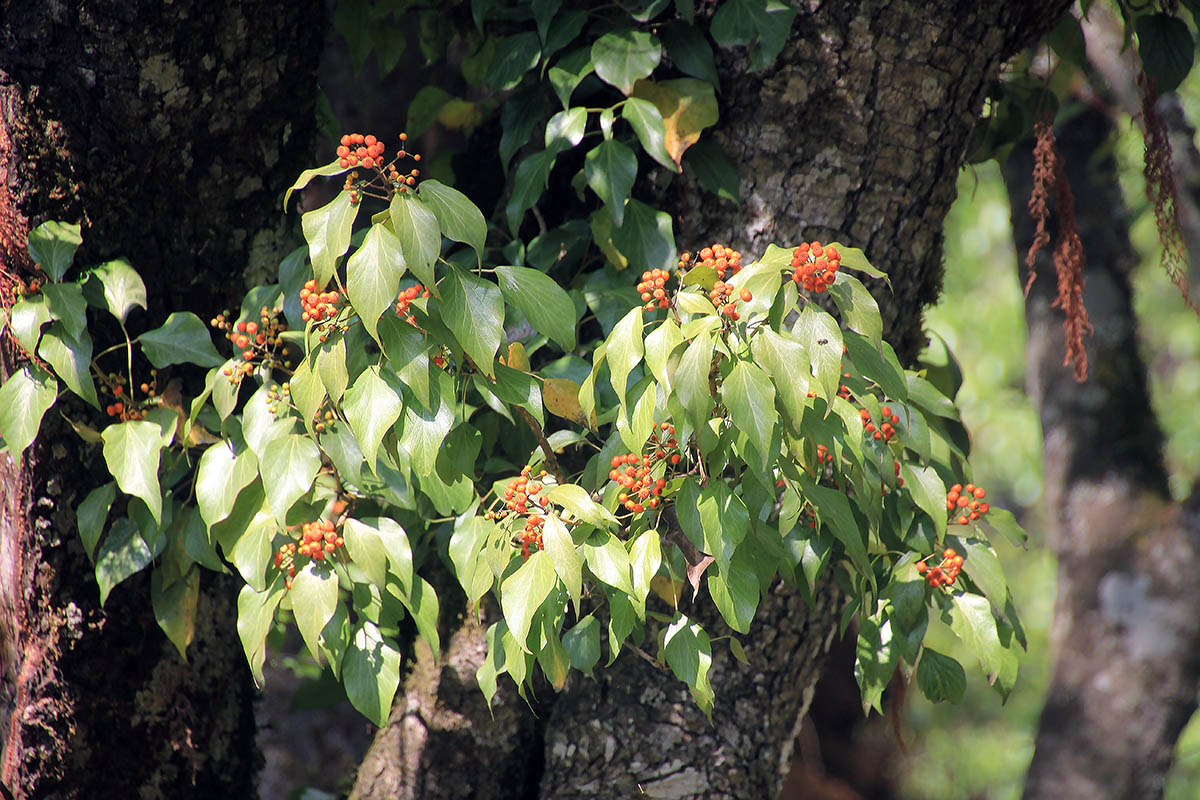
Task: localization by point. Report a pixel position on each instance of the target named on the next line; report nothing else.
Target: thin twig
(540, 435)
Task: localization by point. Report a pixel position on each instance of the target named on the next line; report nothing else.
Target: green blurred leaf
(940, 677)
(529, 182)
(1167, 50)
(182, 339)
(690, 51)
(515, 55)
(713, 169)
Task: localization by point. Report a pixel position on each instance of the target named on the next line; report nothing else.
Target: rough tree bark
(1126, 632)
(856, 133)
(169, 130)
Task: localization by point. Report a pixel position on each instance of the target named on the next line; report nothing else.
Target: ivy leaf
(182, 339)
(220, 477)
(660, 344)
(646, 121)
(543, 302)
(121, 555)
(27, 317)
(928, 492)
(371, 407)
(473, 310)
(71, 359)
(131, 450)
(611, 168)
(833, 509)
(459, 218)
(331, 367)
(583, 644)
(395, 544)
(579, 503)
(327, 231)
(750, 397)
(423, 430)
(940, 677)
(420, 236)
(515, 55)
(565, 129)
(622, 57)
(520, 113)
(66, 304)
(373, 275)
(690, 51)
(1166, 48)
(406, 348)
(687, 106)
(609, 562)
(724, 521)
(371, 673)
(876, 659)
(567, 73)
(561, 396)
(645, 557)
(646, 237)
(822, 338)
(735, 593)
(859, 310)
(422, 605)
(972, 621)
(256, 614)
(289, 463)
(528, 184)
(121, 285)
(466, 550)
(625, 349)
(778, 355)
(424, 108)
(91, 514)
(563, 553)
(332, 168)
(523, 592)
(713, 169)
(314, 597)
(691, 380)
(174, 605)
(856, 259)
(52, 246)
(688, 653)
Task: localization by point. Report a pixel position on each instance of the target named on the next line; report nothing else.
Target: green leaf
(645, 557)
(406, 349)
(877, 657)
(290, 463)
(122, 554)
(371, 407)
(122, 286)
(327, 231)
(528, 184)
(373, 275)
(565, 26)
(174, 606)
(778, 355)
(422, 605)
(724, 521)
(688, 653)
(459, 218)
(972, 621)
(833, 509)
(1001, 521)
(924, 394)
(52, 246)
(466, 549)
(625, 349)
(713, 169)
(544, 303)
(391, 536)
(660, 344)
(523, 592)
(609, 562)
(647, 122)
(856, 259)
(220, 477)
(420, 236)
(515, 55)
(66, 303)
(371, 673)
(331, 367)
(131, 450)
(822, 338)
(750, 397)
(332, 168)
(690, 51)
(622, 57)
(563, 553)
(579, 503)
(859, 310)
(1166, 48)
(928, 492)
(473, 310)
(423, 430)
(983, 567)
(256, 614)
(91, 514)
(735, 593)
(583, 644)
(182, 339)
(691, 380)
(423, 109)
(565, 129)
(26, 319)
(646, 237)
(736, 22)
(567, 73)
(941, 677)
(314, 596)
(611, 168)
(71, 360)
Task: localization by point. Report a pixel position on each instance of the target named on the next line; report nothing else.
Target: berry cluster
(885, 431)
(318, 539)
(357, 148)
(520, 495)
(722, 297)
(318, 306)
(278, 394)
(945, 573)
(966, 502)
(721, 258)
(652, 288)
(641, 489)
(122, 410)
(815, 267)
(405, 299)
(251, 340)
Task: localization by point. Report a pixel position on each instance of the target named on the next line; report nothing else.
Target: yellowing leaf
(687, 105)
(458, 114)
(560, 396)
(517, 358)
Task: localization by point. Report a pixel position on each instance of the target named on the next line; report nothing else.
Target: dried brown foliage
(1049, 177)
(1162, 192)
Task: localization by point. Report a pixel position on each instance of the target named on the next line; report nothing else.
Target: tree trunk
(1126, 634)
(856, 133)
(170, 131)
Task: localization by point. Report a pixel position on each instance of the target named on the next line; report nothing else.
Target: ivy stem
(540, 435)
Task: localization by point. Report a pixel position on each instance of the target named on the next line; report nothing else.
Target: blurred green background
(980, 748)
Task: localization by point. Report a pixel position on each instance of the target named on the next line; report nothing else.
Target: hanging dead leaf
(687, 105)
